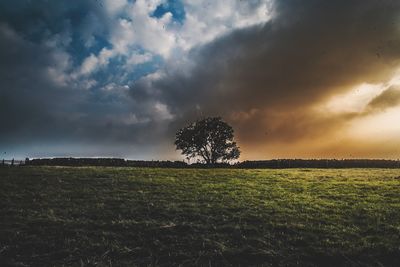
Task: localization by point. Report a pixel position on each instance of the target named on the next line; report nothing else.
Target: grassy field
(56, 216)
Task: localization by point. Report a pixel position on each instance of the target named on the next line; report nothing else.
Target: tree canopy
(210, 139)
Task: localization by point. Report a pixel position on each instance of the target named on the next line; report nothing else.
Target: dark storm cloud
(39, 20)
(37, 110)
(28, 96)
(34, 107)
(44, 109)
(268, 78)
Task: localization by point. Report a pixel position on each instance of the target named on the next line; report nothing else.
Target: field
(59, 216)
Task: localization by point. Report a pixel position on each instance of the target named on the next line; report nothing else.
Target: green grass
(54, 216)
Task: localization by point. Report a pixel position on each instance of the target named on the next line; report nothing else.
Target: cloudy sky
(296, 79)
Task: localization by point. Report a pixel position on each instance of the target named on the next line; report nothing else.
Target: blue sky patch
(175, 7)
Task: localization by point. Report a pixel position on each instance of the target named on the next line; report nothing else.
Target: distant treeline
(260, 164)
(115, 162)
(319, 163)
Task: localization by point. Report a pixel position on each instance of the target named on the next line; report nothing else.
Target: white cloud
(207, 20)
(114, 6)
(114, 87)
(62, 64)
(89, 64)
(133, 23)
(133, 28)
(354, 100)
(136, 59)
(92, 62)
(87, 84)
(358, 98)
(142, 29)
(132, 119)
(377, 126)
(161, 112)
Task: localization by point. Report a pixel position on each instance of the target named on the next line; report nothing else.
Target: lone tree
(210, 139)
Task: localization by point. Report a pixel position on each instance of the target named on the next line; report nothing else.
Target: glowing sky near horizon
(117, 78)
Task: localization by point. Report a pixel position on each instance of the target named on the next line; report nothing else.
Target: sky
(118, 78)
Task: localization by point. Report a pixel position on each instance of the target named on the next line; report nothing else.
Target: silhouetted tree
(211, 139)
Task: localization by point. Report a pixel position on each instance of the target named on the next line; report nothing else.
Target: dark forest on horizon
(248, 164)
